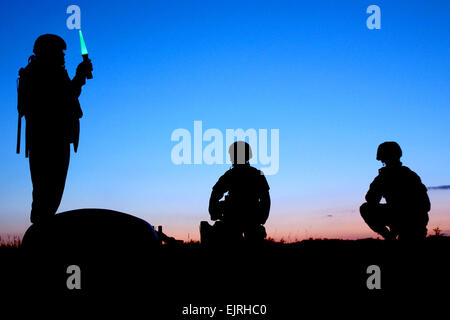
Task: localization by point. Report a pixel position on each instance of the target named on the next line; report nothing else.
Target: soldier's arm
(217, 193)
(80, 76)
(213, 204)
(426, 201)
(77, 82)
(375, 194)
(264, 206)
(264, 198)
(422, 192)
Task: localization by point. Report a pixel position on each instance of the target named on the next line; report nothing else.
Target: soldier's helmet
(389, 150)
(240, 152)
(48, 43)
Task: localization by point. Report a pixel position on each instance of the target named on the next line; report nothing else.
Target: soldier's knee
(364, 210)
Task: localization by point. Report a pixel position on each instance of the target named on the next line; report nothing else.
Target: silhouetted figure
(245, 209)
(113, 250)
(91, 231)
(405, 213)
(48, 99)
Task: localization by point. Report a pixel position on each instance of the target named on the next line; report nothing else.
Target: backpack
(20, 109)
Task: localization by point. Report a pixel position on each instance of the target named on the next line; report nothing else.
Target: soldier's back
(245, 185)
(404, 189)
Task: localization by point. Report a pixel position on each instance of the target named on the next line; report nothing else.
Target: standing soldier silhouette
(405, 213)
(48, 99)
(246, 206)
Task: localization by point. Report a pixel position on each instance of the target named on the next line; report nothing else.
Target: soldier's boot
(375, 218)
(387, 234)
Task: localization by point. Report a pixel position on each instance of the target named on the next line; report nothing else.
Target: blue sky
(313, 70)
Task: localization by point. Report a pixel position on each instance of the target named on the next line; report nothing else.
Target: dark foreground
(323, 276)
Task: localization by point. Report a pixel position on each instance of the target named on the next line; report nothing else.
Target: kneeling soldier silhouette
(405, 213)
(245, 208)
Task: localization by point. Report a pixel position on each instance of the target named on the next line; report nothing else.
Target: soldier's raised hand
(84, 68)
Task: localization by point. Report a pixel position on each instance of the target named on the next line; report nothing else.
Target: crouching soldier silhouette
(246, 205)
(405, 213)
(48, 99)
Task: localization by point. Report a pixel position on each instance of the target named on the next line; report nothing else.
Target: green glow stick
(84, 52)
(83, 44)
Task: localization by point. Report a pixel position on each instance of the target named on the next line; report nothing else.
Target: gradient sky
(310, 69)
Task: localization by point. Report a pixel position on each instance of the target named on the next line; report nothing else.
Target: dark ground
(323, 276)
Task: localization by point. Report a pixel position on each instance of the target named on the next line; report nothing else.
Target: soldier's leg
(48, 168)
(255, 233)
(39, 170)
(61, 166)
(377, 218)
(414, 229)
(417, 234)
(219, 233)
(232, 233)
